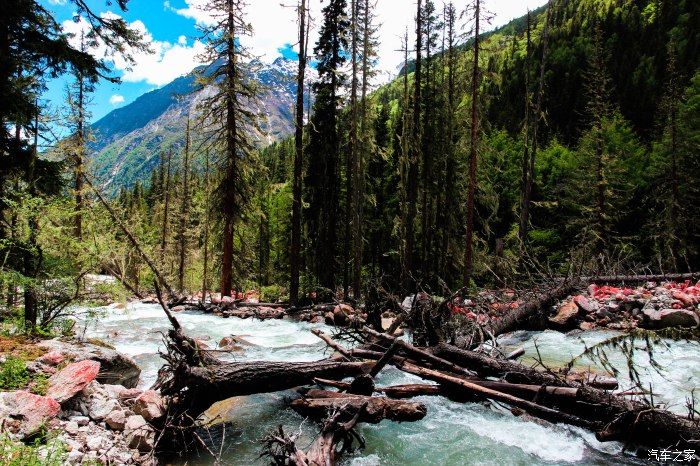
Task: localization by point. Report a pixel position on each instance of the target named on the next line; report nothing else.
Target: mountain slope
(128, 141)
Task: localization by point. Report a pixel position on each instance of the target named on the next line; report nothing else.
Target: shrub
(13, 374)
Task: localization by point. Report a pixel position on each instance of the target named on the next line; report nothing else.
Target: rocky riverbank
(80, 402)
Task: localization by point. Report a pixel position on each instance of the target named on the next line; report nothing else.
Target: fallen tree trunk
(515, 372)
(676, 277)
(317, 404)
(471, 388)
(132, 239)
(531, 310)
(618, 418)
(411, 390)
(197, 388)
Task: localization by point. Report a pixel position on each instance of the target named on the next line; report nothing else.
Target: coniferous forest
(506, 184)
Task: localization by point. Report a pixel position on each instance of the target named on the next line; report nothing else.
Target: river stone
(671, 318)
(72, 379)
(99, 408)
(150, 405)
(566, 315)
(26, 411)
(116, 420)
(52, 358)
(115, 368)
(71, 427)
(139, 434)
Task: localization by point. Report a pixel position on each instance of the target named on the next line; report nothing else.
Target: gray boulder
(115, 368)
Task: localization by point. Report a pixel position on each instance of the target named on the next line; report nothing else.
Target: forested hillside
(612, 140)
(128, 142)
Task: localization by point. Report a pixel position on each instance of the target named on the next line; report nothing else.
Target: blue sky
(170, 27)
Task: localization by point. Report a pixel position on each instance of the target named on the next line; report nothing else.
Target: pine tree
(226, 118)
(184, 211)
(322, 178)
(473, 147)
(414, 154)
(598, 89)
(351, 152)
(295, 253)
(78, 99)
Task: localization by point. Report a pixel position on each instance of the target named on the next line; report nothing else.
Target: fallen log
(471, 388)
(676, 277)
(317, 404)
(529, 311)
(332, 344)
(419, 353)
(197, 388)
(410, 390)
(515, 372)
(618, 418)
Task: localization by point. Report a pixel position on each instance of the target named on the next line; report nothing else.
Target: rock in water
(28, 411)
(116, 368)
(566, 315)
(72, 379)
(670, 318)
(150, 405)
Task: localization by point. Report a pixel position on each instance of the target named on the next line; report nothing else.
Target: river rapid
(450, 434)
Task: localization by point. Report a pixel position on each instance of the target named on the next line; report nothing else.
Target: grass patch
(18, 454)
(13, 374)
(21, 347)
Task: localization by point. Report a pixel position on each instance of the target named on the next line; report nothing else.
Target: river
(450, 434)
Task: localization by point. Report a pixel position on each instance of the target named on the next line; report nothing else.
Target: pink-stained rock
(585, 304)
(52, 358)
(116, 420)
(72, 379)
(149, 404)
(30, 410)
(566, 314)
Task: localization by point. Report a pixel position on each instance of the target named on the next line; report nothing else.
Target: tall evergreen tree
(295, 253)
(227, 119)
(475, 9)
(414, 151)
(323, 175)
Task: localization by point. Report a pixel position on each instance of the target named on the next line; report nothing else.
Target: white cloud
(168, 61)
(58, 2)
(116, 99)
(275, 25)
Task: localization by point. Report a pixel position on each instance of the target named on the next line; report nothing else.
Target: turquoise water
(450, 434)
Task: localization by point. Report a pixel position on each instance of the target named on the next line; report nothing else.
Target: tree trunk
(471, 189)
(351, 152)
(184, 212)
(207, 215)
(211, 383)
(413, 156)
(295, 256)
(132, 239)
(319, 403)
(166, 210)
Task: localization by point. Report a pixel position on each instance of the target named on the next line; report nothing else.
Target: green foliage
(13, 453)
(13, 374)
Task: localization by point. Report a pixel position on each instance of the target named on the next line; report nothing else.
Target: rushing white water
(450, 434)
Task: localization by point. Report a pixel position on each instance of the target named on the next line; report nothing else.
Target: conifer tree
(475, 9)
(295, 253)
(226, 117)
(323, 175)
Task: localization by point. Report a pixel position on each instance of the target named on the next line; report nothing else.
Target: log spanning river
(450, 434)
